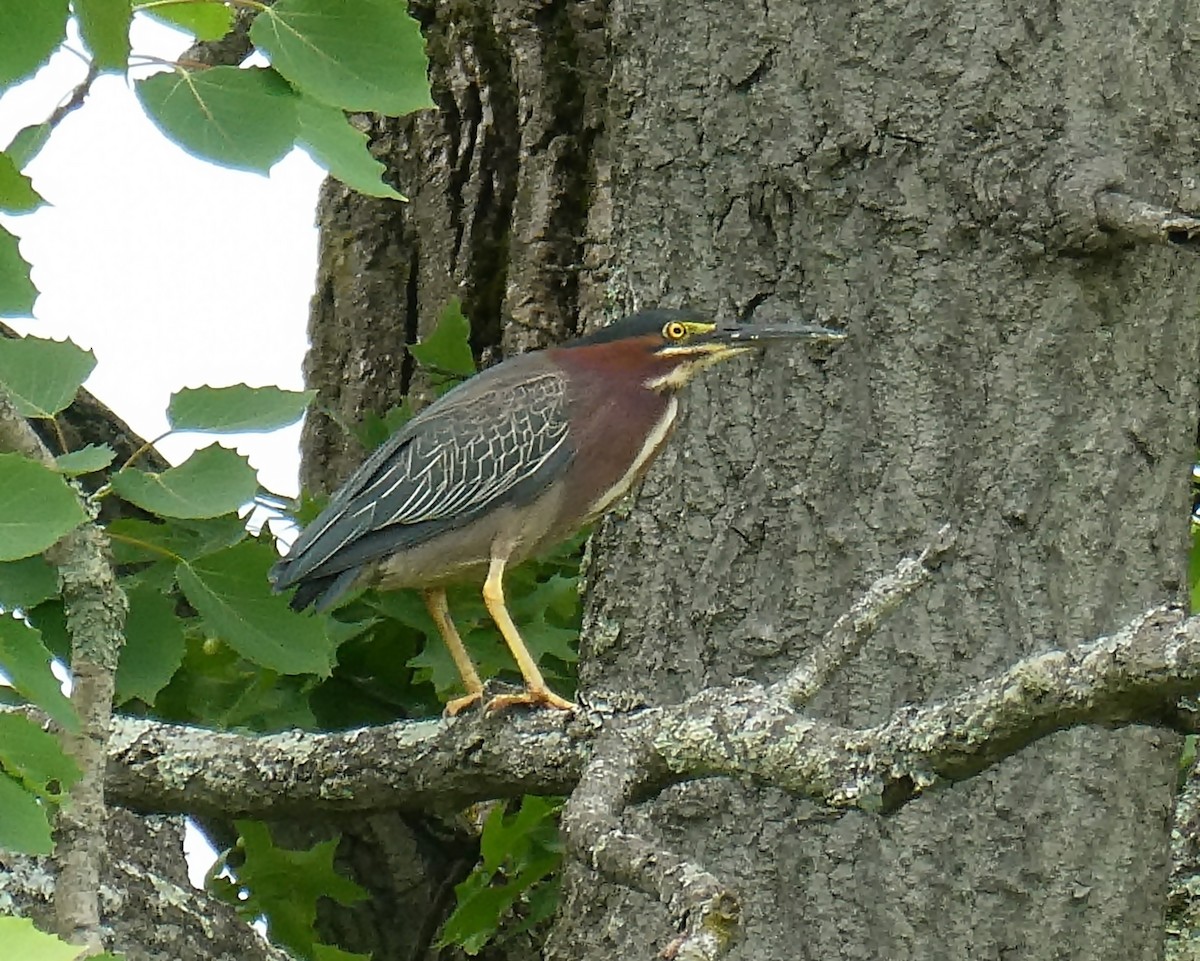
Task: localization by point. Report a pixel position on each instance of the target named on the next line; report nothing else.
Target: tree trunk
(921, 174)
(905, 171)
(499, 182)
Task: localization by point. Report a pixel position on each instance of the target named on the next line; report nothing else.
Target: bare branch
(1143, 221)
(613, 760)
(95, 611)
(593, 827)
(413, 765)
(1131, 677)
(857, 625)
(76, 99)
(1134, 676)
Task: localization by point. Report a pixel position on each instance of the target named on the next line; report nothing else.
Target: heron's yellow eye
(674, 331)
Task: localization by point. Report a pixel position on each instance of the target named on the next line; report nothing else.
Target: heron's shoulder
(492, 391)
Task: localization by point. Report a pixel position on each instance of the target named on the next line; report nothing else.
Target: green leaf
(26, 583)
(240, 118)
(373, 430)
(231, 592)
(1194, 570)
(204, 21)
(217, 687)
(505, 837)
(435, 665)
(154, 646)
(104, 25)
(35, 758)
(211, 482)
(328, 952)
(541, 904)
(137, 541)
(285, 884)
(476, 918)
(22, 940)
(25, 827)
(86, 460)
(43, 376)
(518, 852)
(448, 348)
(329, 137)
(29, 32)
(51, 620)
(237, 408)
(26, 663)
(27, 142)
(36, 507)
(17, 292)
(541, 636)
(357, 54)
(17, 195)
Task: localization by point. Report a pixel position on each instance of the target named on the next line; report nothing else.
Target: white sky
(174, 271)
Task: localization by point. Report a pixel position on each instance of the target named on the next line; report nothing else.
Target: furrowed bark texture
(921, 174)
(499, 178)
(149, 908)
(499, 183)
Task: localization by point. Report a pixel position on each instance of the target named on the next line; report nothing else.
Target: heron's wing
(452, 461)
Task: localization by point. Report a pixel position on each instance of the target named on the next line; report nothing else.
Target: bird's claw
(457, 705)
(531, 697)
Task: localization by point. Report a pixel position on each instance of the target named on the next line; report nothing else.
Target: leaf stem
(145, 448)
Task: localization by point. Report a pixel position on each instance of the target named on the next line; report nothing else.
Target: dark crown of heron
(676, 337)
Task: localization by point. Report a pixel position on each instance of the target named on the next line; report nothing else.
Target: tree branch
(594, 828)
(611, 760)
(1147, 222)
(859, 623)
(231, 49)
(411, 765)
(151, 911)
(95, 611)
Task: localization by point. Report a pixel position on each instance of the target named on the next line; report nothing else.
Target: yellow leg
(439, 610)
(535, 691)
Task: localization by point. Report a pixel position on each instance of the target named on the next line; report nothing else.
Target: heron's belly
(513, 533)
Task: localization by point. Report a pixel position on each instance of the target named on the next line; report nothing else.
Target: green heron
(509, 463)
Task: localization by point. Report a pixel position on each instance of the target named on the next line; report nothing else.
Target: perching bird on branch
(508, 464)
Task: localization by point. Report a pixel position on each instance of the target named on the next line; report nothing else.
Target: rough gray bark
(150, 911)
(921, 174)
(924, 174)
(94, 605)
(499, 179)
(607, 757)
(1134, 676)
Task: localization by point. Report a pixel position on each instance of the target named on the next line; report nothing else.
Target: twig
(592, 825)
(95, 611)
(75, 101)
(850, 631)
(1143, 221)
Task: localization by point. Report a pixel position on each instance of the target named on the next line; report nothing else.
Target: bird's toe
(457, 705)
(531, 697)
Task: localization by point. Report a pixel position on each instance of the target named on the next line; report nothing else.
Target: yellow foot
(535, 697)
(459, 704)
